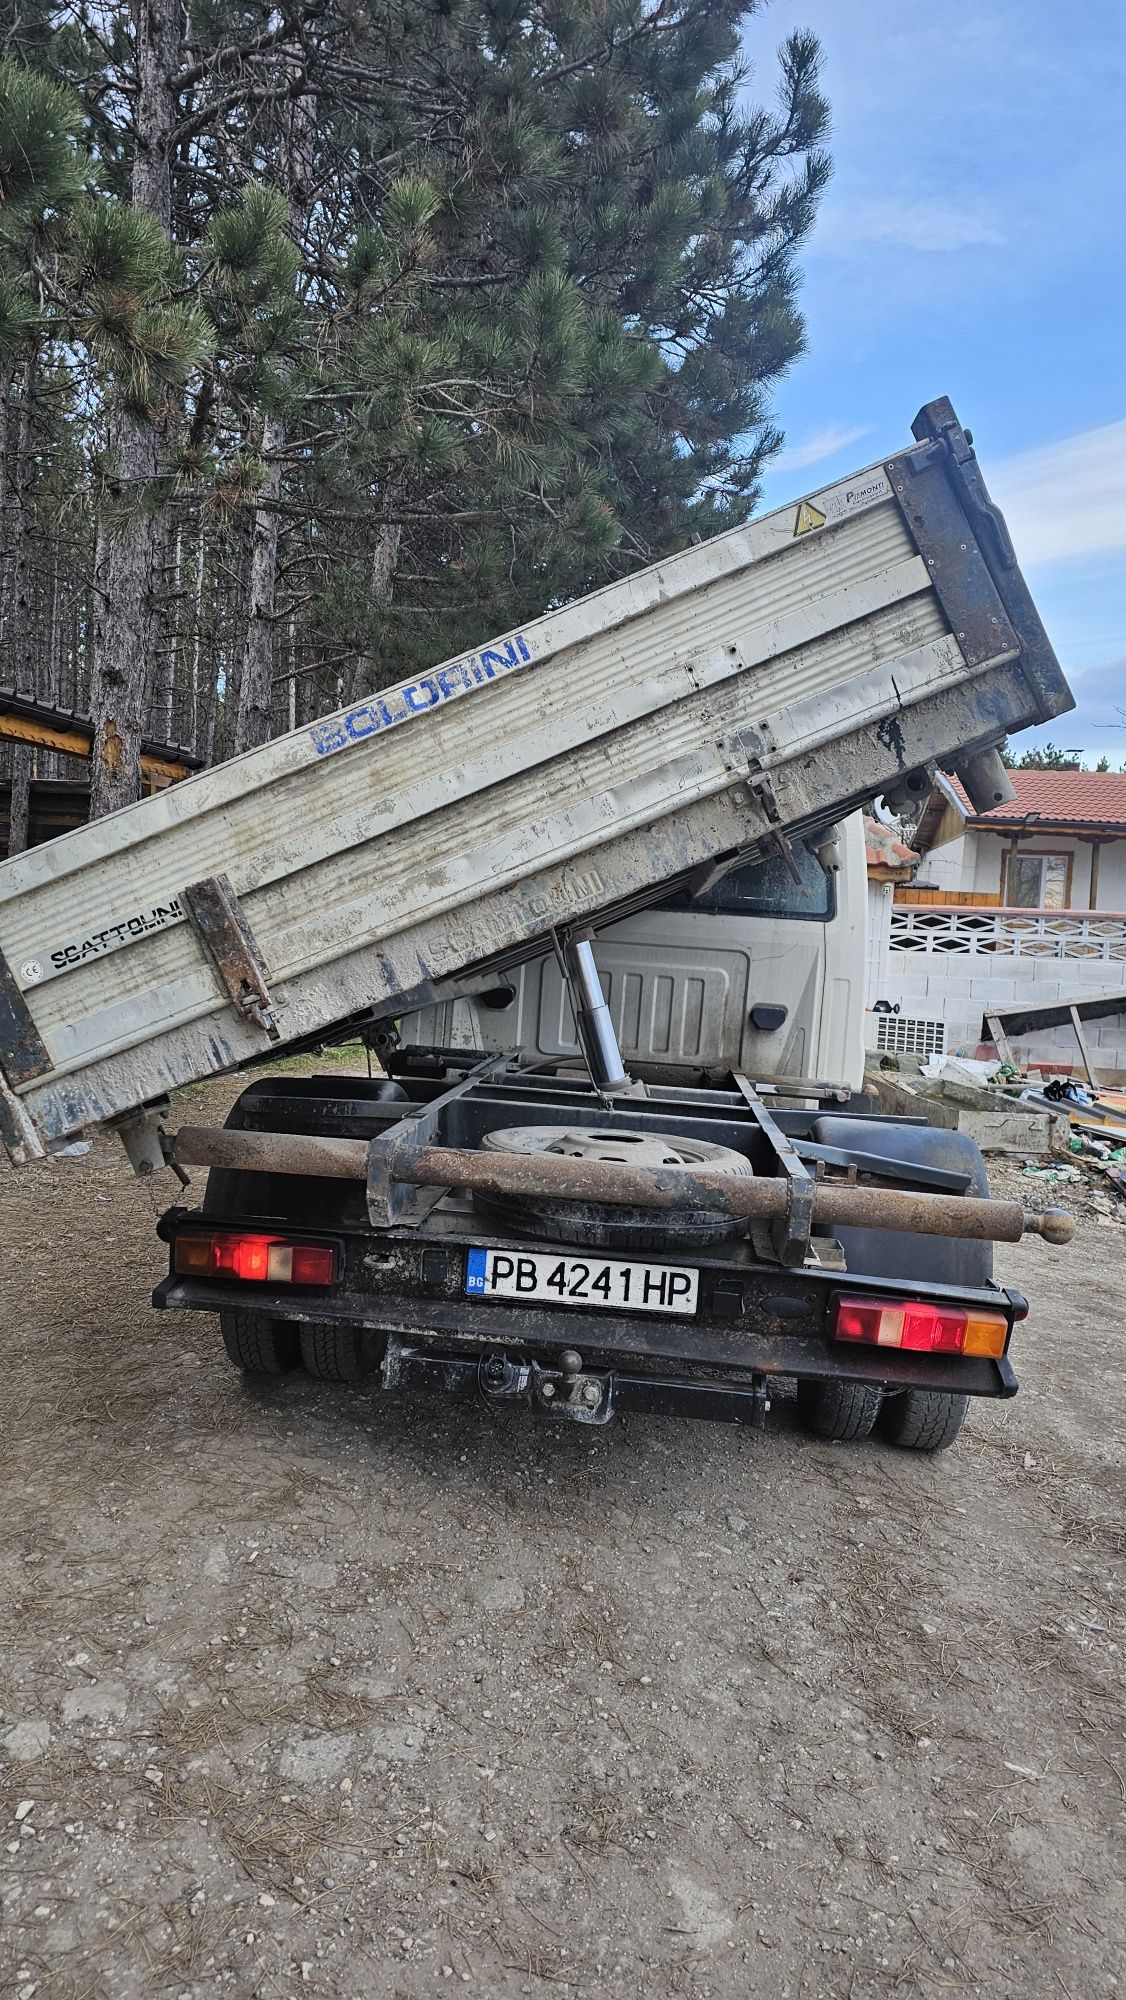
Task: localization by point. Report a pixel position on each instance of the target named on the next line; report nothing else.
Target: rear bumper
(704, 1354)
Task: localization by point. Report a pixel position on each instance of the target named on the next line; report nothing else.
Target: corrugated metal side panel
(382, 884)
(327, 812)
(189, 1041)
(225, 819)
(186, 1040)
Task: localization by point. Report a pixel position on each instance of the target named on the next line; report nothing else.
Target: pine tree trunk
(5, 405)
(121, 663)
(158, 27)
(254, 713)
(256, 678)
(163, 633)
(21, 607)
(120, 672)
(21, 582)
(197, 640)
(20, 810)
(291, 679)
(52, 764)
(53, 661)
(363, 671)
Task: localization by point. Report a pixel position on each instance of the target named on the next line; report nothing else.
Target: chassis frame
(767, 1298)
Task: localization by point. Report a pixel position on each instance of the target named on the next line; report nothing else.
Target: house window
(1039, 882)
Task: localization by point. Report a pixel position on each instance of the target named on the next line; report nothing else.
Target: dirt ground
(305, 1691)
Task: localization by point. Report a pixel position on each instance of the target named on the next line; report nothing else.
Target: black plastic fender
(297, 1200)
(889, 1253)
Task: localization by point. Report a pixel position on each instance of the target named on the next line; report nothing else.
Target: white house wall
(940, 996)
(972, 865)
(879, 931)
(967, 866)
(1112, 876)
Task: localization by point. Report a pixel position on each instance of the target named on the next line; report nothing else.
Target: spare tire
(606, 1225)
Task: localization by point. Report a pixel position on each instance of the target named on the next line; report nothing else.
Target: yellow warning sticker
(809, 517)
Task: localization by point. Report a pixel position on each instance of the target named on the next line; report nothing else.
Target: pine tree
(555, 334)
(121, 671)
(40, 175)
(1048, 757)
(372, 332)
(252, 269)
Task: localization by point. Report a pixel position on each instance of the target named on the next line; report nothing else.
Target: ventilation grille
(899, 1035)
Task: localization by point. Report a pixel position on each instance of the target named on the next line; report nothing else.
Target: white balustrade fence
(962, 931)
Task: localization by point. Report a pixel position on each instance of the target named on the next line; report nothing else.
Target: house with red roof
(1059, 845)
(1020, 906)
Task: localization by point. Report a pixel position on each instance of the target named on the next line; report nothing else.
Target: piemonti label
(97, 943)
(385, 711)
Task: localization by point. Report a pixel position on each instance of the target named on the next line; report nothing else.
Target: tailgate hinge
(17, 1131)
(215, 915)
(760, 783)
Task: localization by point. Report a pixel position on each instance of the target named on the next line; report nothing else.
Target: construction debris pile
(1060, 1130)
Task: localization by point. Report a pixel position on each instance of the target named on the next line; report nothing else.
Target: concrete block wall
(959, 990)
(1106, 1040)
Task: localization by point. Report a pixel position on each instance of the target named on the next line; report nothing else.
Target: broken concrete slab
(996, 1122)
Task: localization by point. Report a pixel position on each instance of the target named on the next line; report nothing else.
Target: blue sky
(972, 243)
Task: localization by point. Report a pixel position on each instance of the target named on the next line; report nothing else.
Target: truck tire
(843, 1411)
(597, 1226)
(923, 1419)
(334, 1353)
(605, 1225)
(258, 1345)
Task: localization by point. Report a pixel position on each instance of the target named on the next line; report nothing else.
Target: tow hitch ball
(566, 1391)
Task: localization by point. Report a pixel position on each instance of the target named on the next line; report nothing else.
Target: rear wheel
(842, 1411)
(334, 1353)
(605, 1225)
(258, 1345)
(923, 1419)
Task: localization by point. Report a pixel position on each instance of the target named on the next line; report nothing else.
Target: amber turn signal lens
(921, 1327)
(986, 1333)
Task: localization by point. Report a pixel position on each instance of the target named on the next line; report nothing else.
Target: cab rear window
(766, 888)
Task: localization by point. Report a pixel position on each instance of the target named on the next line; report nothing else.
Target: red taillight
(272, 1260)
(927, 1329)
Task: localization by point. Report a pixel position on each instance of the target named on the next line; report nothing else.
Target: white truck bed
(766, 681)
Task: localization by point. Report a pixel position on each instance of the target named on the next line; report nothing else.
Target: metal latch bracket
(215, 914)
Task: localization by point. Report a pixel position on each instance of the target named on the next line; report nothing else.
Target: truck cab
(761, 971)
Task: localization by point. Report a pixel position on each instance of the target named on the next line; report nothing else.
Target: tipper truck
(520, 1210)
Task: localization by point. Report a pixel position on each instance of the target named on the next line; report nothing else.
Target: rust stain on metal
(23, 1052)
(216, 916)
(270, 1153)
(668, 1190)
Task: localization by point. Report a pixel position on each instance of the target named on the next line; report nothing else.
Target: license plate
(581, 1281)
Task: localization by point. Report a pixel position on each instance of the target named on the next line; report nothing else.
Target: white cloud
(923, 222)
(1065, 500)
(818, 446)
